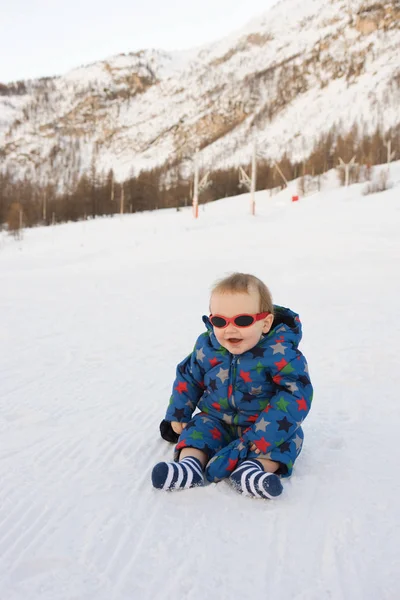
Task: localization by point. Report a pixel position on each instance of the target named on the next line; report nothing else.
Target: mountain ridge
(289, 76)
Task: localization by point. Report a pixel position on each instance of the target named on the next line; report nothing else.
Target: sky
(41, 38)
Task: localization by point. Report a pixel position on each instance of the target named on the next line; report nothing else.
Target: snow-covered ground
(94, 317)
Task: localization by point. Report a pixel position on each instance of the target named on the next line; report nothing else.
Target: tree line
(24, 203)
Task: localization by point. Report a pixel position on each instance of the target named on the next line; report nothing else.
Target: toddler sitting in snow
(250, 383)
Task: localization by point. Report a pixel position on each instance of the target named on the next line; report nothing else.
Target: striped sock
(181, 475)
(251, 480)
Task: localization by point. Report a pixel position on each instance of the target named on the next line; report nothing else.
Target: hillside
(285, 79)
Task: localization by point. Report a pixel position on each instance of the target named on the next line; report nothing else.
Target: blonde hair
(243, 283)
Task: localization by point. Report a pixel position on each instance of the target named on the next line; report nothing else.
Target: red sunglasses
(239, 320)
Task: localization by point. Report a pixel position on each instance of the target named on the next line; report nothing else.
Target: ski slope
(94, 317)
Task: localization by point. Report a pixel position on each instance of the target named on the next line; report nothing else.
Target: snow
(96, 315)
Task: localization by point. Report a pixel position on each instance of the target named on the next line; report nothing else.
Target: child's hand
(178, 427)
(254, 448)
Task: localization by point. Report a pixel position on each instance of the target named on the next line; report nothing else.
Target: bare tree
(14, 220)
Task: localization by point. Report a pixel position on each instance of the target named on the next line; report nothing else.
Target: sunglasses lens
(244, 320)
(218, 321)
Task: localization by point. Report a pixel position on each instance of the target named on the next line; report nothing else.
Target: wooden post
(196, 187)
(390, 154)
(44, 206)
(347, 169)
(113, 208)
(250, 182)
(253, 181)
(280, 173)
(121, 208)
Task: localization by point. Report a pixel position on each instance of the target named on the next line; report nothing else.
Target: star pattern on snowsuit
(248, 397)
(200, 356)
(182, 387)
(281, 364)
(213, 384)
(182, 368)
(259, 367)
(262, 445)
(285, 447)
(179, 413)
(208, 450)
(284, 424)
(289, 368)
(262, 425)
(214, 361)
(216, 434)
(252, 418)
(223, 374)
(205, 419)
(292, 386)
(223, 402)
(304, 380)
(245, 375)
(232, 464)
(282, 404)
(257, 351)
(278, 348)
(256, 390)
(298, 442)
(227, 419)
(302, 404)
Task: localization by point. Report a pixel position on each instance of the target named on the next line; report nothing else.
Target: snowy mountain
(96, 316)
(286, 78)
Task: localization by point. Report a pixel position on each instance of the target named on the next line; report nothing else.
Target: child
(251, 385)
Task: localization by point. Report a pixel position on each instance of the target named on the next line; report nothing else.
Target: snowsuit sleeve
(188, 386)
(287, 408)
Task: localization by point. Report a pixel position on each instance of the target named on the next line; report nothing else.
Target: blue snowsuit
(260, 397)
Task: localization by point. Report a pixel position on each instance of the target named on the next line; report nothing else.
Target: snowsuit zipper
(232, 381)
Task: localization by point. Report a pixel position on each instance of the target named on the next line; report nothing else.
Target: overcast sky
(49, 37)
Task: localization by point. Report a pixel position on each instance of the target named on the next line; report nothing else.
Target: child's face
(239, 339)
